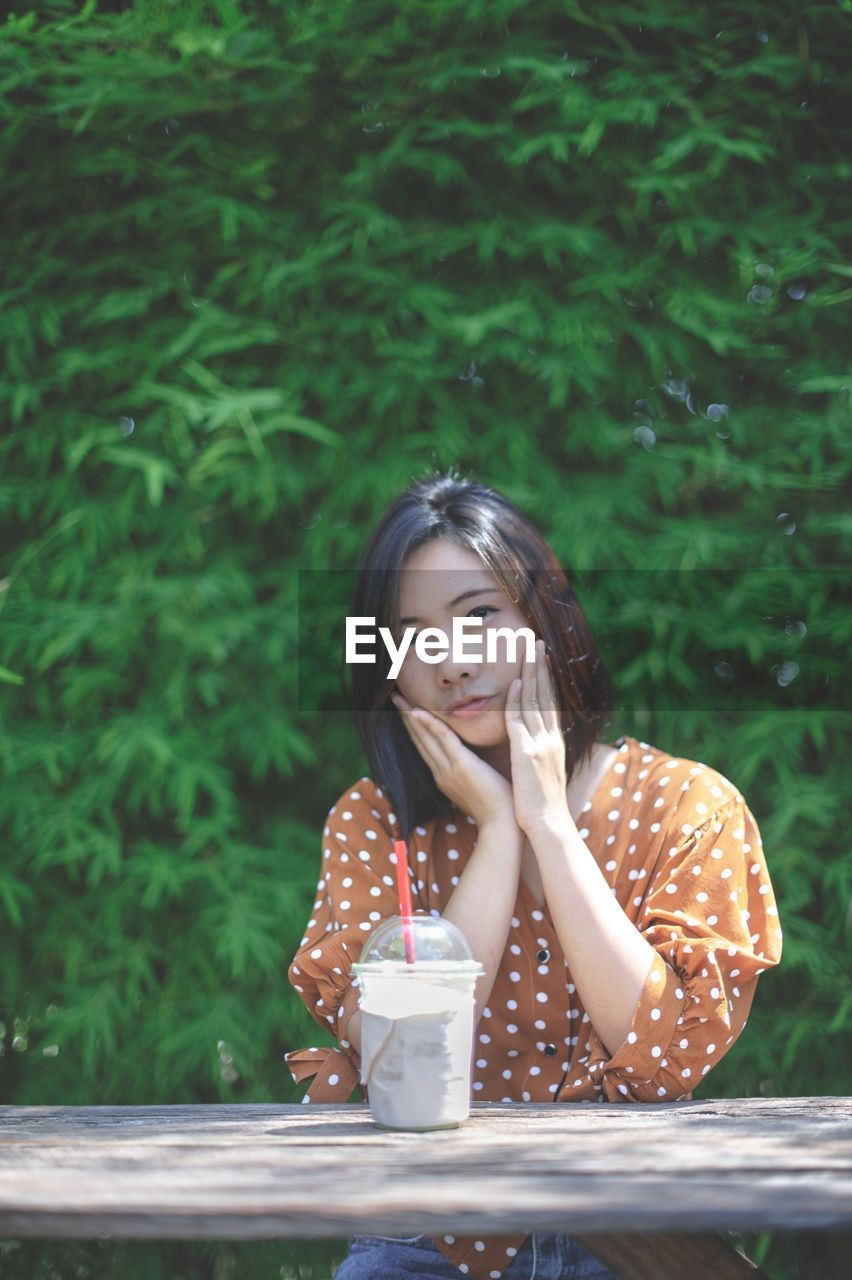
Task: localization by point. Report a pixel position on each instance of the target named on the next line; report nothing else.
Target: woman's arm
(608, 958)
(481, 907)
(485, 898)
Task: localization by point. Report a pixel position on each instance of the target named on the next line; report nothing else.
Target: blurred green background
(264, 265)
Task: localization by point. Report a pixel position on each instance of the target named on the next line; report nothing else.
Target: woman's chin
(481, 736)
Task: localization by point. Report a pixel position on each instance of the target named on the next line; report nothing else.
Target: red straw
(404, 889)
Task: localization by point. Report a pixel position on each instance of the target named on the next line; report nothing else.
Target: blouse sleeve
(711, 917)
(357, 890)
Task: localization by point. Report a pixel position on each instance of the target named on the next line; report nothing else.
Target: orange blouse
(680, 849)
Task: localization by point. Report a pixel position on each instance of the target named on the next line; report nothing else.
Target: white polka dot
(631, 1037)
(514, 976)
(479, 1246)
(656, 1051)
(335, 1078)
(656, 1015)
(316, 953)
(541, 997)
(611, 865)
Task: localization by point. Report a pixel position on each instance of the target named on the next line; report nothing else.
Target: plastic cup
(417, 1024)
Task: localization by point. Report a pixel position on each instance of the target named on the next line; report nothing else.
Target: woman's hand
(537, 747)
(477, 788)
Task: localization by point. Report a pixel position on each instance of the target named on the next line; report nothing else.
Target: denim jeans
(543, 1256)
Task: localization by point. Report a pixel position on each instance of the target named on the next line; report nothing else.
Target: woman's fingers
(421, 729)
(531, 701)
(530, 693)
(547, 694)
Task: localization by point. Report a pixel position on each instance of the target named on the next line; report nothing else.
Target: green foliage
(264, 265)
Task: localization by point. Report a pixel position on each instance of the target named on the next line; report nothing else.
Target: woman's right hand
(471, 784)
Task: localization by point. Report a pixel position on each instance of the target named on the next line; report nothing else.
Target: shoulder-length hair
(446, 505)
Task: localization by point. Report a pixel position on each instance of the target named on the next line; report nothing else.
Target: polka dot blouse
(676, 842)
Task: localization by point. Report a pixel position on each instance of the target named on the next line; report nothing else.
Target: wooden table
(268, 1170)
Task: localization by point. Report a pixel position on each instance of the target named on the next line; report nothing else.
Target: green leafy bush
(264, 265)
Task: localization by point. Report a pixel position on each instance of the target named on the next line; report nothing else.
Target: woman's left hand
(537, 747)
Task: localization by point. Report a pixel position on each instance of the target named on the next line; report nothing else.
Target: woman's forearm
(484, 899)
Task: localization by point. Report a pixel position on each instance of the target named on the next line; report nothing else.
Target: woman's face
(432, 579)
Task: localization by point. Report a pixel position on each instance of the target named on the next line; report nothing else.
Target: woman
(617, 897)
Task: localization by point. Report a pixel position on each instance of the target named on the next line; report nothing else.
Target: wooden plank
(267, 1170)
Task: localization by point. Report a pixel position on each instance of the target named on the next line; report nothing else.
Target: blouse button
(542, 956)
(550, 1049)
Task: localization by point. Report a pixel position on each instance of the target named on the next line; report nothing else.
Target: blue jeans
(543, 1256)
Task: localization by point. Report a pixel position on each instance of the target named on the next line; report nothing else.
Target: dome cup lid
(436, 942)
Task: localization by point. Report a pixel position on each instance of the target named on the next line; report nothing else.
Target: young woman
(616, 896)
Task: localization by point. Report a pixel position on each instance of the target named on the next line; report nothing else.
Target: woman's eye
(487, 607)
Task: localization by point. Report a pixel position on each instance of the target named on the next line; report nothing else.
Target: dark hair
(445, 505)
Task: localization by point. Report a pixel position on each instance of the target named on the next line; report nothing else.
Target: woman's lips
(471, 708)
